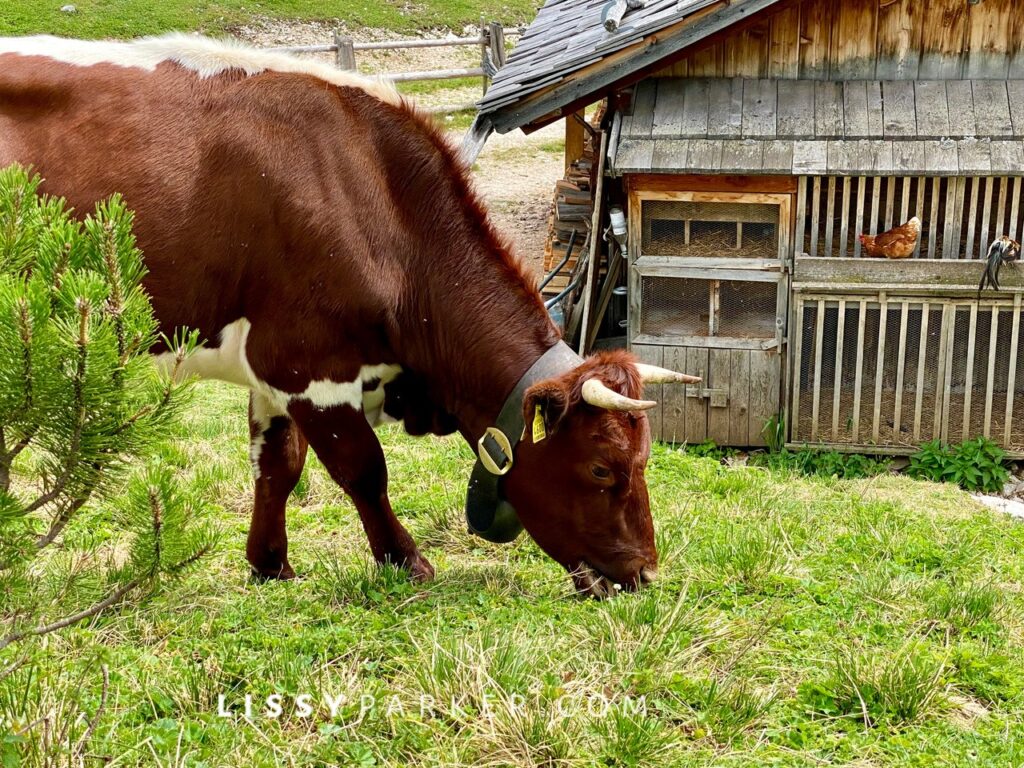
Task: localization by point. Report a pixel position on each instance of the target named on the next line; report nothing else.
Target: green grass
(800, 621)
(132, 18)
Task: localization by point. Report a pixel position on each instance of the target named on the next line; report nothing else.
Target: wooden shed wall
(869, 39)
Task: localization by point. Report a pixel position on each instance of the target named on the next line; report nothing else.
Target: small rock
(1009, 489)
(68, 9)
(1011, 507)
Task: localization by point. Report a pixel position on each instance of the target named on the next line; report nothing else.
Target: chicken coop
(759, 149)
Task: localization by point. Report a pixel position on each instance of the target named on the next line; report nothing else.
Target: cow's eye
(600, 471)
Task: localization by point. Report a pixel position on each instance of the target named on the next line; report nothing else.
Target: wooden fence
(491, 41)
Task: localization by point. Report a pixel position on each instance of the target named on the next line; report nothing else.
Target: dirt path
(515, 173)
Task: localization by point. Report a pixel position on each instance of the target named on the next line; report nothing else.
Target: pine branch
(60, 522)
(115, 597)
(80, 415)
(115, 304)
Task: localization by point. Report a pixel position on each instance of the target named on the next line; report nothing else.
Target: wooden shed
(752, 143)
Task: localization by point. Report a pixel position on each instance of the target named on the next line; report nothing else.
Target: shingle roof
(568, 36)
(698, 125)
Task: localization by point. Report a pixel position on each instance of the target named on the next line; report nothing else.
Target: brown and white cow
(324, 239)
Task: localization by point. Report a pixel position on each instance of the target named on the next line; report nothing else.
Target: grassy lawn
(798, 622)
(132, 18)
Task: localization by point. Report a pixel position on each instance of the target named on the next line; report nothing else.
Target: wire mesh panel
(708, 229)
(747, 309)
(671, 306)
(898, 372)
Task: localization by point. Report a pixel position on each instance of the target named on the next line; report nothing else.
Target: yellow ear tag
(539, 433)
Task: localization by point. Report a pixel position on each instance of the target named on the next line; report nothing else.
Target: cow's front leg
(278, 453)
(349, 449)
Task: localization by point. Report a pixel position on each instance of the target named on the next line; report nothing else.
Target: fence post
(497, 40)
(484, 46)
(346, 52)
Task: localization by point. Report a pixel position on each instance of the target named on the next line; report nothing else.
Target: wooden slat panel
(986, 218)
(855, 109)
(819, 335)
(725, 107)
(704, 156)
(901, 369)
(830, 214)
(1015, 92)
(922, 188)
(872, 227)
(890, 203)
(778, 157)
(694, 118)
(899, 109)
(719, 371)
(828, 109)
(960, 100)
(801, 214)
(837, 383)
(992, 107)
(922, 361)
(739, 396)
(876, 419)
(795, 381)
(859, 371)
(993, 354)
(876, 116)
(653, 355)
(810, 158)
(816, 38)
(943, 40)
(858, 219)
(642, 120)
(988, 25)
(669, 154)
(759, 108)
(948, 250)
(784, 45)
(1011, 383)
(933, 219)
(677, 400)
(668, 109)
(844, 226)
(972, 218)
(932, 109)
(945, 372)
(742, 156)
(765, 385)
(796, 110)
(815, 215)
(900, 30)
(696, 417)
(975, 157)
(854, 40)
(972, 335)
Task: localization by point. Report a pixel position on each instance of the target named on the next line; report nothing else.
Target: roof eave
(624, 67)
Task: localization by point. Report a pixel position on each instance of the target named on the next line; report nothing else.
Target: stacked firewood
(572, 209)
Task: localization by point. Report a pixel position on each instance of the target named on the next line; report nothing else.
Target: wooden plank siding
(867, 40)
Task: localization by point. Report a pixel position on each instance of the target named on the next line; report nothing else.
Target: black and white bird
(1003, 251)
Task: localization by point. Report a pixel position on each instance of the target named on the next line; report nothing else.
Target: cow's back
(233, 176)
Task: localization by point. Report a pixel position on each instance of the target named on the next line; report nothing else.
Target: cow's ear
(544, 406)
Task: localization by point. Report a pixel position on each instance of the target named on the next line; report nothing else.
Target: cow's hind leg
(278, 453)
(351, 453)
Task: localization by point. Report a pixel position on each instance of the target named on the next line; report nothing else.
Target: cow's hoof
(280, 573)
(420, 569)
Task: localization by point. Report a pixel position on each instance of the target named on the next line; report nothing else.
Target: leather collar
(488, 514)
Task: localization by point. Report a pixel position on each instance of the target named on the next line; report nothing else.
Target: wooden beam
(575, 135)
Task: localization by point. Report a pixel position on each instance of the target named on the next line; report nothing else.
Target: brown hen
(898, 243)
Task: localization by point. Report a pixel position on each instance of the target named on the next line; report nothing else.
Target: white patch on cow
(202, 55)
(263, 412)
(228, 362)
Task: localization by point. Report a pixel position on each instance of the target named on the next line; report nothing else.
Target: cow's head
(580, 490)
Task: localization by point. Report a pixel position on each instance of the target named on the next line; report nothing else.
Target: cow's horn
(598, 394)
(652, 374)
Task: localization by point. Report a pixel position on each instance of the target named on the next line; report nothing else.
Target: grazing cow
(324, 240)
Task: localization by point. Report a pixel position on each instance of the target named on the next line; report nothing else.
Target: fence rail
(491, 41)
